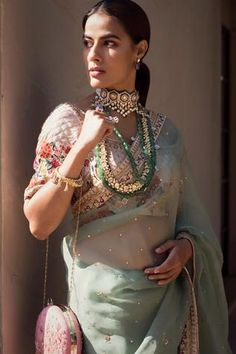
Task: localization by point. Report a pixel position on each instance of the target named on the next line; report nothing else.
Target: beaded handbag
(57, 329)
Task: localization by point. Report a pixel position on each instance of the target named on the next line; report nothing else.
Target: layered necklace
(125, 103)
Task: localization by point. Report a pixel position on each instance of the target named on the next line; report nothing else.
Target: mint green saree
(119, 309)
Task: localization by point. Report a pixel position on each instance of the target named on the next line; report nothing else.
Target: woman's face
(109, 53)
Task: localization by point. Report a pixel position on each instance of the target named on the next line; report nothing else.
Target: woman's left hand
(180, 251)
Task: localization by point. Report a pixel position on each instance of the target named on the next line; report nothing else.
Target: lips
(96, 71)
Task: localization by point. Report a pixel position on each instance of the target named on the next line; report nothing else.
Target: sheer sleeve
(193, 223)
(58, 134)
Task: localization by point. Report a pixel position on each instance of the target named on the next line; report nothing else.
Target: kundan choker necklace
(122, 102)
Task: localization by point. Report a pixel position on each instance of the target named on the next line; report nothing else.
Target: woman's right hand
(94, 129)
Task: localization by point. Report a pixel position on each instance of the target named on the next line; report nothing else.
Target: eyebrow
(106, 36)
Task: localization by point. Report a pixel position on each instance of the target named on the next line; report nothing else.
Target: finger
(166, 246)
(169, 280)
(168, 265)
(164, 275)
(94, 112)
(151, 270)
(108, 132)
(172, 261)
(99, 108)
(101, 115)
(110, 119)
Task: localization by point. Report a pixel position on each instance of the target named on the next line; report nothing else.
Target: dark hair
(136, 23)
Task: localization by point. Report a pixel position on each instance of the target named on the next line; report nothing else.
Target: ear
(142, 48)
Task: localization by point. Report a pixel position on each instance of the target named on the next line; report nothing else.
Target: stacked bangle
(58, 178)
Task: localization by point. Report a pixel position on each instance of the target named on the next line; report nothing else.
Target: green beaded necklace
(142, 180)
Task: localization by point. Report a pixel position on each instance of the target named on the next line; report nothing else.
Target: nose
(94, 54)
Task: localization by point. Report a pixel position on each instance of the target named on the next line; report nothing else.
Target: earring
(138, 64)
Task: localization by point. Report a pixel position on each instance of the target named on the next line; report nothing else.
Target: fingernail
(146, 271)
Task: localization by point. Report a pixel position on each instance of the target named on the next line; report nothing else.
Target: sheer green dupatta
(193, 223)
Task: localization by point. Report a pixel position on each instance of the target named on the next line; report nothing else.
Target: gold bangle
(58, 178)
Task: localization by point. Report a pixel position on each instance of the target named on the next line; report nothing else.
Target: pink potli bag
(57, 329)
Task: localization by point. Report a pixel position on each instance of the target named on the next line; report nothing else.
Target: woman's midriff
(130, 246)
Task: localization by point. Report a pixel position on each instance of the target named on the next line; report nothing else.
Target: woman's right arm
(46, 209)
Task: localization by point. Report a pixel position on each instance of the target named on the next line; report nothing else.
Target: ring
(99, 108)
(112, 120)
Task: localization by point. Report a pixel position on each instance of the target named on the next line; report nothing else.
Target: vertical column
(1, 233)
(232, 193)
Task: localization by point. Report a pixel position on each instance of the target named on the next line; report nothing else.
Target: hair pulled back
(136, 24)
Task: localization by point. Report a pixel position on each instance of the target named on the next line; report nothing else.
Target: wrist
(81, 148)
(188, 246)
(58, 178)
(74, 162)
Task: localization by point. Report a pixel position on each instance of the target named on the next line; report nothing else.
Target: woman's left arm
(180, 249)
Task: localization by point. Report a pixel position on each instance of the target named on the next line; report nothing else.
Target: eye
(110, 44)
(87, 43)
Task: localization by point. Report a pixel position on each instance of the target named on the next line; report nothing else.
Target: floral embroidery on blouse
(49, 155)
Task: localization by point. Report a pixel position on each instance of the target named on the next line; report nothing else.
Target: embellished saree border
(98, 194)
(190, 338)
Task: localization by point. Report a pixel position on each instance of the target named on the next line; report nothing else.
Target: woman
(147, 277)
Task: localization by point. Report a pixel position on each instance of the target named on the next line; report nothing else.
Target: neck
(129, 89)
(122, 102)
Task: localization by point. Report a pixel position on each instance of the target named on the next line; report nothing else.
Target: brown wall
(186, 85)
(41, 66)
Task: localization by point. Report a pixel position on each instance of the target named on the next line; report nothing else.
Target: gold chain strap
(74, 246)
(73, 262)
(45, 273)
